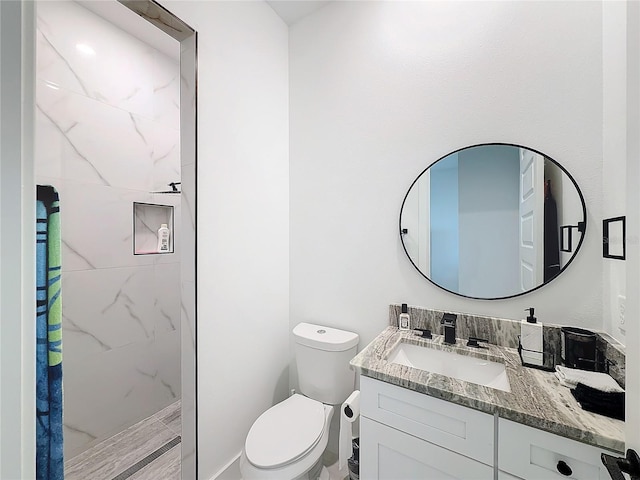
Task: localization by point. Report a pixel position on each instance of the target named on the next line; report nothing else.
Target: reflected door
(531, 213)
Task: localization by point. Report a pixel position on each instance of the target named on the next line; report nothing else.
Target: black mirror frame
(582, 225)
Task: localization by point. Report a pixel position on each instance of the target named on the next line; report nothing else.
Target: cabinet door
(389, 454)
(533, 454)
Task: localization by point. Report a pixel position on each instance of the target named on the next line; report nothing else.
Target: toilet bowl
(287, 441)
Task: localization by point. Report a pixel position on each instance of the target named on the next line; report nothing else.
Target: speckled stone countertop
(536, 399)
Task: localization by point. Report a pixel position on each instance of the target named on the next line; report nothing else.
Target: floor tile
(171, 417)
(107, 459)
(165, 467)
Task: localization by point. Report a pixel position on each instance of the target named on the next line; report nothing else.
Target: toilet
(287, 441)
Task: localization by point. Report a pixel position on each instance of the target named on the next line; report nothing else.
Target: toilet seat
(285, 432)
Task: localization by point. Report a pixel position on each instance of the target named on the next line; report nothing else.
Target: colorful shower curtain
(49, 445)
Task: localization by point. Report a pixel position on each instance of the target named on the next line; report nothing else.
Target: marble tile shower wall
(107, 134)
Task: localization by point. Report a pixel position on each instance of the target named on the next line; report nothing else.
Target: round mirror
(493, 221)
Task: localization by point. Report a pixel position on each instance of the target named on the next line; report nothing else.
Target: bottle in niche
(163, 238)
(404, 321)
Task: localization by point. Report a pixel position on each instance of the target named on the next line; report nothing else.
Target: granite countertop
(536, 399)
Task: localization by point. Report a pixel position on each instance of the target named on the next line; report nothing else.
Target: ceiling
(293, 10)
(289, 10)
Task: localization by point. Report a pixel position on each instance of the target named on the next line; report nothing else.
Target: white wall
(243, 205)
(614, 149)
(381, 89)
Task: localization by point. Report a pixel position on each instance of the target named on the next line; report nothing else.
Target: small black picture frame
(614, 243)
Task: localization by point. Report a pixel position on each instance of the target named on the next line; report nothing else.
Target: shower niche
(148, 219)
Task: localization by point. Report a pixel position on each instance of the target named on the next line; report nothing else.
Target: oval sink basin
(463, 367)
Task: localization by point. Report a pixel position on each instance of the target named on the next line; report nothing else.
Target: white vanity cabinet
(409, 435)
(532, 454)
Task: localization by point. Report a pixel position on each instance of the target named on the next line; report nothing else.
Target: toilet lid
(285, 432)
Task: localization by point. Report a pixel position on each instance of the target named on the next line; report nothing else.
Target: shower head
(174, 189)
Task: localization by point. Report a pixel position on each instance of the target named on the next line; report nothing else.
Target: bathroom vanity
(420, 424)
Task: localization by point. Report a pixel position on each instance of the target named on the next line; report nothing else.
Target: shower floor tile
(133, 451)
(170, 416)
(165, 467)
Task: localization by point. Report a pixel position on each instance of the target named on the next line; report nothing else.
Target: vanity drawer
(389, 454)
(533, 454)
(457, 428)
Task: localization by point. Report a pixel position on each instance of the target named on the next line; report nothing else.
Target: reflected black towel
(551, 244)
(609, 404)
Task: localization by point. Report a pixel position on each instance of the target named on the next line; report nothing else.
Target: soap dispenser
(404, 321)
(531, 339)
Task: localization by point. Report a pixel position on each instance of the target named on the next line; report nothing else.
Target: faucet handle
(448, 319)
(422, 332)
(473, 342)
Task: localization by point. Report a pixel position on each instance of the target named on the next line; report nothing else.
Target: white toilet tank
(322, 357)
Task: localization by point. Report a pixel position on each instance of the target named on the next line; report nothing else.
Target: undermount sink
(462, 367)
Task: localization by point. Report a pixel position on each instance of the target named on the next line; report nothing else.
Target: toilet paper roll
(349, 413)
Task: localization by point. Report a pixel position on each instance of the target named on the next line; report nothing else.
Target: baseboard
(231, 471)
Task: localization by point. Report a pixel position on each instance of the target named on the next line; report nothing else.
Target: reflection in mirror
(492, 221)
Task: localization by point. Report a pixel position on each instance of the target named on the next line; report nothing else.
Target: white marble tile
(108, 391)
(167, 298)
(97, 226)
(80, 51)
(107, 308)
(188, 379)
(166, 91)
(188, 320)
(63, 118)
(166, 159)
(76, 441)
(98, 393)
(48, 139)
(188, 222)
(164, 143)
(188, 444)
(188, 68)
(101, 144)
(51, 64)
(166, 367)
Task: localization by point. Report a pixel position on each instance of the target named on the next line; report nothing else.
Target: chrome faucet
(449, 322)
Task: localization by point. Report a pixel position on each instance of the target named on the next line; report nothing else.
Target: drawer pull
(564, 469)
